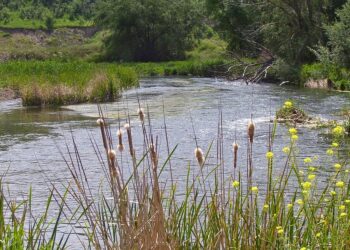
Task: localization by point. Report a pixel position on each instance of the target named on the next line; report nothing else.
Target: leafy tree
(49, 22)
(339, 37)
(149, 30)
(5, 15)
(235, 21)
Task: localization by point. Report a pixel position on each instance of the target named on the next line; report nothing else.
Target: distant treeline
(41, 9)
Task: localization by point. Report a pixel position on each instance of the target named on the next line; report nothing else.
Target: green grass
(206, 68)
(62, 44)
(20, 229)
(338, 75)
(57, 83)
(17, 22)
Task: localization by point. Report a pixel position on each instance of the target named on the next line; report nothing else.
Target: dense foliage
(46, 10)
(150, 30)
(289, 34)
(292, 31)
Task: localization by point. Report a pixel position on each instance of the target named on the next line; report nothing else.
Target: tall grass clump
(205, 68)
(296, 208)
(21, 229)
(57, 83)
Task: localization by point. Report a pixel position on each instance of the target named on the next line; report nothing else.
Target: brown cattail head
(154, 157)
(235, 150)
(120, 147)
(251, 129)
(141, 114)
(111, 155)
(131, 146)
(199, 155)
(100, 121)
(120, 140)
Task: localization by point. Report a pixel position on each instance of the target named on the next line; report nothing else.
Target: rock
(319, 84)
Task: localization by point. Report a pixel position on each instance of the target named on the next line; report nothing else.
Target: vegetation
(58, 83)
(61, 45)
(291, 113)
(151, 30)
(303, 204)
(20, 229)
(37, 13)
(338, 75)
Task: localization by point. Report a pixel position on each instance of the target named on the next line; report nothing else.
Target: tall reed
(219, 209)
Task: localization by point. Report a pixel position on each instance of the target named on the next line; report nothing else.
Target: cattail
(141, 114)
(235, 150)
(100, 121)
(111, 155)
(199, 155)
(251, 128)
(154, 157)
(128, 131)
(120, 140)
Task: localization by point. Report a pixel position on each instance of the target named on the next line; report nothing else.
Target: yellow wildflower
(307, 160)
(294, 137)
(293, 131)
(311, 177)
(341, 207)
(318, 235)
(343, 214)
(306, 185)
(335, 145)
(337, 166)
(338, 131)
(288, 104)
(347, 201)
(235, 184)
(286, 150)
(269, 155)
(266, 207)
(340, 184)
(289, 205)
(312, 169)
(329, 152)
(254, 189)
(332, 193)
(299, 201)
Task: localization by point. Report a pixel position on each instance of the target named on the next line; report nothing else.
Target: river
(31, 138)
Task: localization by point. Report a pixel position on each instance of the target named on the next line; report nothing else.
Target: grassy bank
(61, 44)
(339, 76)
(207, 68)
(15, 21)
(58, 83)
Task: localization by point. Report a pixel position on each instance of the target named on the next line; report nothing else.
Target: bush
(340, 77)
(291, 113)
(49, 22)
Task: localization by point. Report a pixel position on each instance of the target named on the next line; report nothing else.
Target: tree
(5, 15)
(235, 21)
(49, 22)
(339, 37)
(148, 30)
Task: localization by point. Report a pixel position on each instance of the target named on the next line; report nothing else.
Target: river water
(31, 138)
